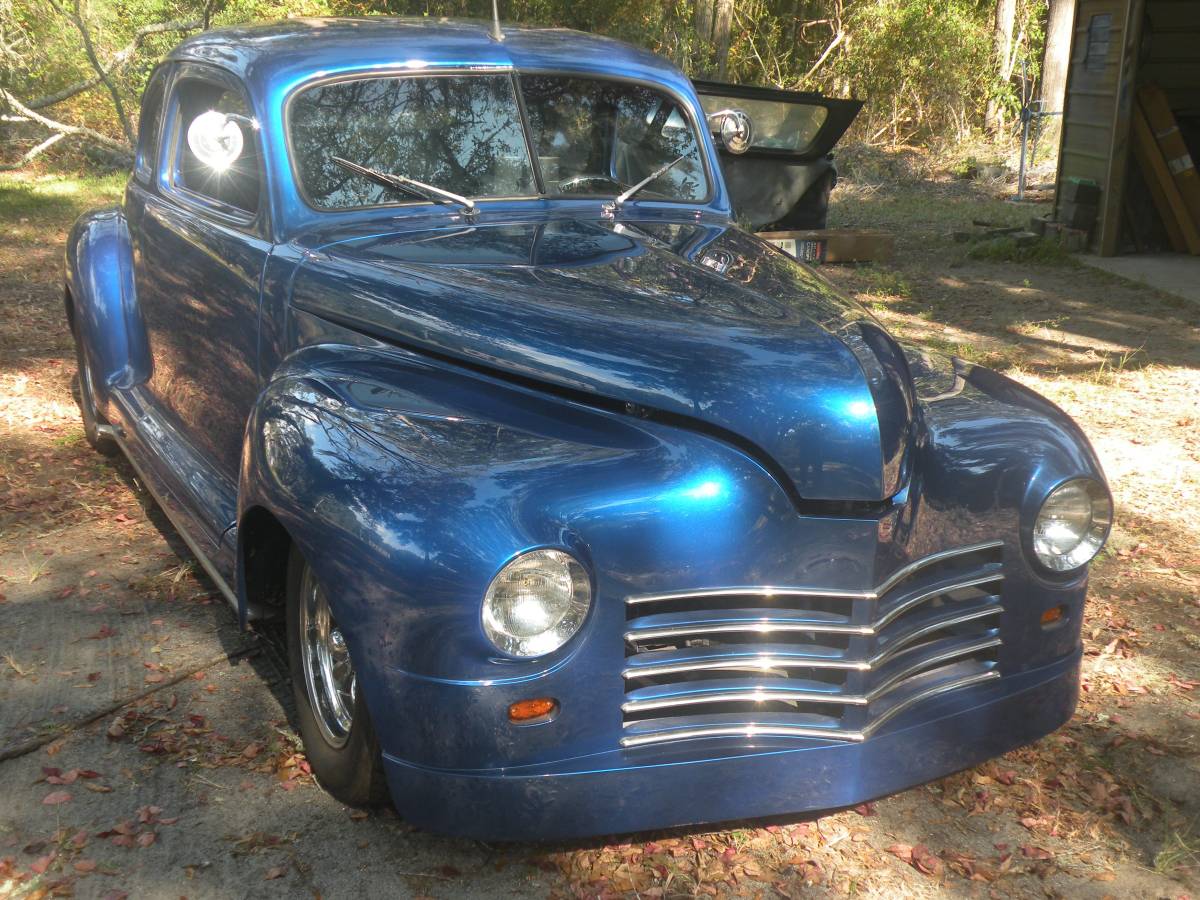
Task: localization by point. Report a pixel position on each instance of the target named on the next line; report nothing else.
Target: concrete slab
(1172, 273)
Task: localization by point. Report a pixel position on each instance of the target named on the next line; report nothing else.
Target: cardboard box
(834, 245)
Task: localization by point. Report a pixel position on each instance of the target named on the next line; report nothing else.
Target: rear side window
(237, 186)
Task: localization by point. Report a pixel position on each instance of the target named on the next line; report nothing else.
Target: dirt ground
(145, 749)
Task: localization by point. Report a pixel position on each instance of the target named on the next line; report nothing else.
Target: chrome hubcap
(328, 672)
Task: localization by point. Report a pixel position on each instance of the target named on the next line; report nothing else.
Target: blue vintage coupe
(586, 511)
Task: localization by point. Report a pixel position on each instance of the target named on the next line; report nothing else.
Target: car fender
(392, 473)
(102, 301)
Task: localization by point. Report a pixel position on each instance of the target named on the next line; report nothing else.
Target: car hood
(706, 327)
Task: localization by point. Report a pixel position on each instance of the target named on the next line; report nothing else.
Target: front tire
(339, 738)
(92, 420)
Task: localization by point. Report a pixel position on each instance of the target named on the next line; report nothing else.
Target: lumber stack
(1167, 168)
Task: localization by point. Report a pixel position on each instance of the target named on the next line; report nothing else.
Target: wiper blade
(409, 186)
(652, 177)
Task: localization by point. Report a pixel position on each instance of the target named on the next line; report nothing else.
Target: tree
(1057, 57)
(714, 26)
(1003, 57)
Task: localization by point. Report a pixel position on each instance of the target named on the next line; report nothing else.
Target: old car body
(810, 556)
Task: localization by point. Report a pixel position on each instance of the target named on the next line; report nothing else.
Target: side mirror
(734, 127)
(215, 138)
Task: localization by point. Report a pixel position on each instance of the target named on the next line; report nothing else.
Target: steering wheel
(578, 182)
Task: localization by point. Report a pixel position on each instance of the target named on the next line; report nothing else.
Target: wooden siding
(1095, 131)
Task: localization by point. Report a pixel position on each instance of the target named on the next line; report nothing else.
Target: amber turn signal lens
(526, 710)
(1053, 615)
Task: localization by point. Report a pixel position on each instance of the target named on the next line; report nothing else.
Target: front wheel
(87, 406)
(339, 739)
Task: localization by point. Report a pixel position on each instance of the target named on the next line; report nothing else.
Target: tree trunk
(722, 35)
(1057, 57)
(704, 20)
(1002, 54)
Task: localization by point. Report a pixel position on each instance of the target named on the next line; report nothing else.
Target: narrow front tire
(339, 739)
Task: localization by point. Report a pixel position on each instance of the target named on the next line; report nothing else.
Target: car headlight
(1072, 525)
(536, 603)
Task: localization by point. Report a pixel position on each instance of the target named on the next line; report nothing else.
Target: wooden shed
(1131, 127)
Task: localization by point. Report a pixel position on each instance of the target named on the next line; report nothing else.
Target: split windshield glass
(464, 133)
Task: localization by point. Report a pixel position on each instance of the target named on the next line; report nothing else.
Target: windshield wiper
(409, 186)
(652, 177)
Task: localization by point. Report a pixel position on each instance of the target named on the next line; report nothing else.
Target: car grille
(799, 662)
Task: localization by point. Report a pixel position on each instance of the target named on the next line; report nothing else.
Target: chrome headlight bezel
(564, 606)
(1071, 526)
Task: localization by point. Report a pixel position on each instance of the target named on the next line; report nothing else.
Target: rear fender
(102, 301)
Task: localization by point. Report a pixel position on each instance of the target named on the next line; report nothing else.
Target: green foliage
(1044, 252)
(924, 68)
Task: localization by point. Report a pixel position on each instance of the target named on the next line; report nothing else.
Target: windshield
(464, 133)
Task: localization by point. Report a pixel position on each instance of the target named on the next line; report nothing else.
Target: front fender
(102, 300)
(407, 485)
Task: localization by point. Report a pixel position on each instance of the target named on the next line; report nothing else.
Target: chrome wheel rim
(328, 672)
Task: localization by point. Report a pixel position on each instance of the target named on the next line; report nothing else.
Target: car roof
(279, 55)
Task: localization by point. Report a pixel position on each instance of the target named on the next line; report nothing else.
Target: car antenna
(497, 34)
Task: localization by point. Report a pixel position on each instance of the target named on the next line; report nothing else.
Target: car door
(201, 244)
(784, 179)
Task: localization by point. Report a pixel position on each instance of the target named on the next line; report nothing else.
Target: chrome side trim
(802, 731)
(784, 591)
(201, 557)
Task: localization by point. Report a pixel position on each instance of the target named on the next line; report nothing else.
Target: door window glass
(778, 125)
(238, 185)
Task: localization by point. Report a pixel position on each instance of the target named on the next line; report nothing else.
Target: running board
(205, 563)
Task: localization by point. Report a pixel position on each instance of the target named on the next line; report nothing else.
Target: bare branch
(833, 45)
(77, 17)
(62, 127)
(34, 152)
(119, 60)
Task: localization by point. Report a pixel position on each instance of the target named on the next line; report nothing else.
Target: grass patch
(887, 282)
(46, 199)
(1006, 249)
(1179, 851)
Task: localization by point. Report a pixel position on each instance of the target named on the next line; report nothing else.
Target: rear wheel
(92, 420)
(339, 738)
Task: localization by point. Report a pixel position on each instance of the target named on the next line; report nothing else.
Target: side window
(148, 125)
(236, 186)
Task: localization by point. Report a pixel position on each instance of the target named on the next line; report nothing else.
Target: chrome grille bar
(784, 591)
(794, 662)
(768, 728)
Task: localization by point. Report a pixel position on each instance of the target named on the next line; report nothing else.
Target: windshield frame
(514, 77)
